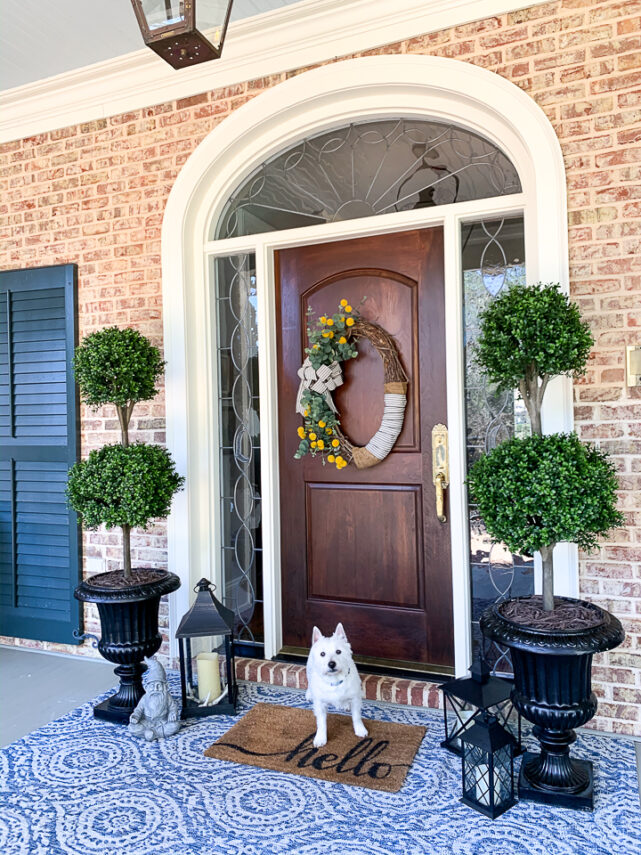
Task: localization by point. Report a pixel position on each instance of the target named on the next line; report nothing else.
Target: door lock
(440, 468)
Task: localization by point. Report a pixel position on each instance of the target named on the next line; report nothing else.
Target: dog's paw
(319, 741)
(360, 730)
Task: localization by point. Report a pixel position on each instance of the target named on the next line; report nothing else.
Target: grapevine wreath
(332, 341)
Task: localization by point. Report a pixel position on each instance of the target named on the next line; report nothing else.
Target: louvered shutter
(39, 538)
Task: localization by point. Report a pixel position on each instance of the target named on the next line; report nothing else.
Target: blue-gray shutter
(39, 537)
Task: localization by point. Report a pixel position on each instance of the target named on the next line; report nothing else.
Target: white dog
(332, 678)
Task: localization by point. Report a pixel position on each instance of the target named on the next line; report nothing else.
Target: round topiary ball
(532, 325)
(542, 490)
(123, 486)
(117, 366)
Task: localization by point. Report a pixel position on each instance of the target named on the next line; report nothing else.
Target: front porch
(82, 786)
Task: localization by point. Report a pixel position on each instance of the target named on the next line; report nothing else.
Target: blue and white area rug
(83, 787)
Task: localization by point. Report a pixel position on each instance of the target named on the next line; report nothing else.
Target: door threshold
(397, 668)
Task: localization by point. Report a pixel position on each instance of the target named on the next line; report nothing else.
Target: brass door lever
(440, 468)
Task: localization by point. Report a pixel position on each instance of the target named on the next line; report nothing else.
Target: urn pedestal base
(581, 800)
(120, 705)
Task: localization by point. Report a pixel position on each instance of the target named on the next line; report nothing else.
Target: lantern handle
(204, 585)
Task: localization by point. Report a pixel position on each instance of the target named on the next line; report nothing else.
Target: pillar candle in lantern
(208, 676)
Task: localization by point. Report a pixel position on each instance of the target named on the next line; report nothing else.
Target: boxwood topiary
(120, 367)
(535, 492)
(530, 334)
(121, 485)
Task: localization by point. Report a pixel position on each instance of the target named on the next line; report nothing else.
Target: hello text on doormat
(280, 738)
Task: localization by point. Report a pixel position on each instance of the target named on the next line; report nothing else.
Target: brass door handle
(440, 468)
(440, 497)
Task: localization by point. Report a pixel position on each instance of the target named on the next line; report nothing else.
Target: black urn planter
(553, 690)
(129, 633)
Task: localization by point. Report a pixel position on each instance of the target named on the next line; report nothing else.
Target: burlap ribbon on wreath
(324, 381)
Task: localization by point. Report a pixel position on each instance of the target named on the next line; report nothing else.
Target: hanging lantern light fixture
(174, 28)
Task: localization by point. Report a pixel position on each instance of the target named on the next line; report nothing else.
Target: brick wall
(94, 194)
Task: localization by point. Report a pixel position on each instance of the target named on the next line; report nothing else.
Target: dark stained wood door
(365, 547)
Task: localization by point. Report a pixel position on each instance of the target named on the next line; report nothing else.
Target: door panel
(365, 547)
(338, 519)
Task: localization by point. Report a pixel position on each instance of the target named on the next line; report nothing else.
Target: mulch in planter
(567, 614)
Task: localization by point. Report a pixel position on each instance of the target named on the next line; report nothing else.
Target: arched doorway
(323, 105)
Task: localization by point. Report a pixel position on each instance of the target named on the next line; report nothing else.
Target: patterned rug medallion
(280, 738)
(79, 786)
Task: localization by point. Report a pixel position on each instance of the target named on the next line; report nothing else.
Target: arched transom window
(366, 169)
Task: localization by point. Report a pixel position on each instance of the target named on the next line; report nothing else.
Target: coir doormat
(280, 738)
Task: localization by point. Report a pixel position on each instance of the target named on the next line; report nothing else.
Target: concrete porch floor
(36, 688)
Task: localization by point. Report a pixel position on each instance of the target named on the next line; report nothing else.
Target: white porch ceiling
(40, 38)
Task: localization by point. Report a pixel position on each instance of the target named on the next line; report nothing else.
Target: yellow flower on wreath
(335, 443)
(342, 340)
(301, 432)
(314, 445)
(320, 444)
(343, 303)
(321, 424)
(331, 458)
(350, 322)
(329, 322)
(348, 308)
(323, 319)
(329, 431)
(312, 436)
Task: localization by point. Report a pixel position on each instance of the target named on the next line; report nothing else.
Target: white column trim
(296, 36)
(371, 87)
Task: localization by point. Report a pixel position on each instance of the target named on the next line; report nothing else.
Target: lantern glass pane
(502, 775)
(476, 784)
(211, 15)
(163, 13)
(459, 718)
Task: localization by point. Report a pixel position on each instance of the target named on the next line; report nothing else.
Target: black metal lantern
(211, 690)
(488, 766)
(174, 28)
(465, 697)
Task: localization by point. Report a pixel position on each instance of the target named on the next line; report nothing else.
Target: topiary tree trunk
(532, 392)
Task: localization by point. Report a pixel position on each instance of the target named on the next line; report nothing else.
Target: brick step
(394, 690)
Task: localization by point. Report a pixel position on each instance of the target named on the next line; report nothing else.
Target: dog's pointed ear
(339, 632)
(316, 635)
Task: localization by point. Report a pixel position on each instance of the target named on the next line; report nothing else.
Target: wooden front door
(365, 547)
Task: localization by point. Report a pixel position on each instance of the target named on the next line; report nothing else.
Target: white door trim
(371, 87)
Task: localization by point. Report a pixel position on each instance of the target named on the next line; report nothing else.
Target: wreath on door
(332, 341)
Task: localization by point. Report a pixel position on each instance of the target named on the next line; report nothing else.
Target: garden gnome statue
(156, 714)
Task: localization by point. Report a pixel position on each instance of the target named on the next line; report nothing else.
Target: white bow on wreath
(323, 381)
